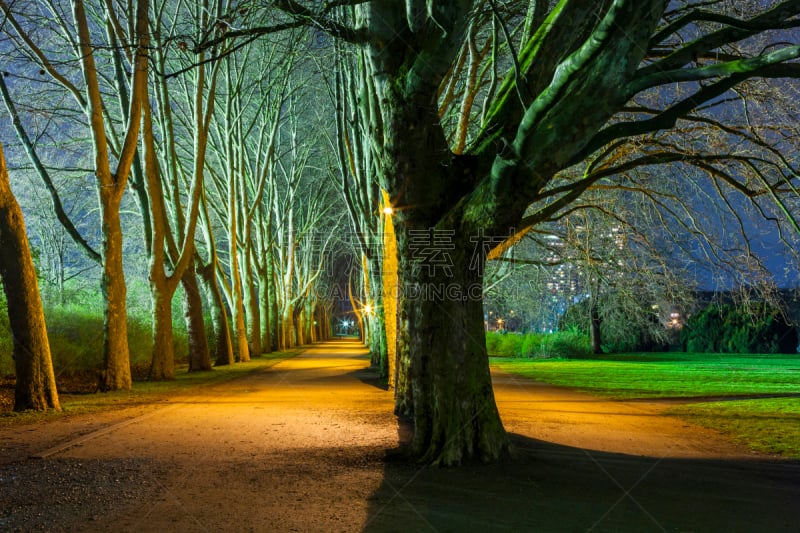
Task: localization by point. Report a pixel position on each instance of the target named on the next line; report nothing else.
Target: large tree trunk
(443, 370)
(35, 381)
(455, 416)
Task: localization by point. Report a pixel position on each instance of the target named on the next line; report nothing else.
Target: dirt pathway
(301, 447)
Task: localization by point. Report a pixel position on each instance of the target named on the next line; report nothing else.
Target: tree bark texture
(223, 343)
(35, 386)
(199, 355)
(162, 365)
(117, 366)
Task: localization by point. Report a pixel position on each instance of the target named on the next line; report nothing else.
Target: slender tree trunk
(300, 326)
(251, 303)
(287, 326)
(117, 367)
(199, 355)
(378, 340)
(111, 186)
(239, 327)
(223, 344)
(162, 366)
(403, 392)
(311, 322)
(35, 386)
(594, 327)
(264, 311)
(389, 277)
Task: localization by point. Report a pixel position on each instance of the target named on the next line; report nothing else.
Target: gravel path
(302, 447)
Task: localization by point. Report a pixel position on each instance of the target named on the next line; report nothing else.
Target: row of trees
(469, 121)
(218, 150)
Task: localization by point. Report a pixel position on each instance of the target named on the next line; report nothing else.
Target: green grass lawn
(766, 424)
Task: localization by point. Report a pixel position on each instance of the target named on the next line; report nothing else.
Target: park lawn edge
(765, 425)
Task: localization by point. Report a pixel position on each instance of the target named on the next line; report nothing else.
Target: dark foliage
(729, 328)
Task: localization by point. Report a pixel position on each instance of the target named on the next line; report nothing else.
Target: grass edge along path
(754, 399)
(151, 392)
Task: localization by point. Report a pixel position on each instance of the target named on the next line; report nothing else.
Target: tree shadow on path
(549, 487)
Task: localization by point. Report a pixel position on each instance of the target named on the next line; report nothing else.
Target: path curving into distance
(302, 447)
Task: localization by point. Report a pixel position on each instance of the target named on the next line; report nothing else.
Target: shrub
(562, 344)
(736, 329)
(75, 332)
(569, 344)
(493, 343)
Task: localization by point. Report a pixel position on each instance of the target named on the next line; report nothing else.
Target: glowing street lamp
(368, 309)
(388, 211)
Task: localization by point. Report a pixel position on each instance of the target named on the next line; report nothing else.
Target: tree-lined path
(302, 447)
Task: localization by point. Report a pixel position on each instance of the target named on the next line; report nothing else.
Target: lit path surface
(294, 448)
(301, 447)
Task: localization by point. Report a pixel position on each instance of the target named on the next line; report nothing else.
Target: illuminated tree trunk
(251, 303)
(162, 365)
(35, 386)
(117, 369)
(264, 310)
(300, 326)
(223, 344)
(389, 265)
(378, 346)
(237, 295)
(199, 355)
(287, 339)
(162, 284)
(311, 323)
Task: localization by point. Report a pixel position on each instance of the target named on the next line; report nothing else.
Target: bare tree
(112, 158)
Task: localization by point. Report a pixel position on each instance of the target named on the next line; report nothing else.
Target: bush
(75, 332)
(562, 344)
(729, 328)
(76, 339)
